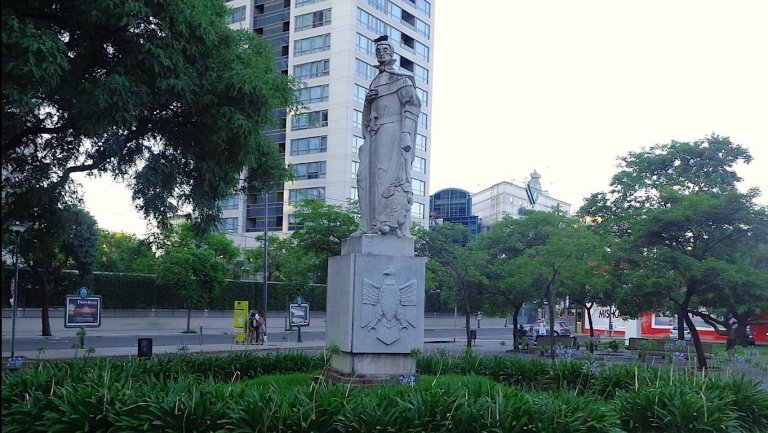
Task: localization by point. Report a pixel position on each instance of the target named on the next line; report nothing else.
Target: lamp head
(18, 228)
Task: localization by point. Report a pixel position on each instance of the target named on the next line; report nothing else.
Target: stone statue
(390, 116)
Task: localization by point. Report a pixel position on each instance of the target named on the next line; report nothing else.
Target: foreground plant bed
(183, 395)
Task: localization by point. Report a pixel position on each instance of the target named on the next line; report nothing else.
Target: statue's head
(384, 51)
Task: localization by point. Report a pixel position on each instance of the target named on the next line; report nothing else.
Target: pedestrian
(262, 329)
(542, 329)
(521, 332)
(253, 327)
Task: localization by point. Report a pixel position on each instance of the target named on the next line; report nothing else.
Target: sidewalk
(148, 323)
(170, 322)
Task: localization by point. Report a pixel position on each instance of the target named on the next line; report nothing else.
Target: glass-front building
(453, 205)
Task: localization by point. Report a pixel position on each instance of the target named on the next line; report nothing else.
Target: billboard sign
(299, 314)
(82, 311)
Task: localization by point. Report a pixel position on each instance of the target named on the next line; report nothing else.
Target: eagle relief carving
(388, 307)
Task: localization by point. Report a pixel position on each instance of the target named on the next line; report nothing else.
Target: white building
(328, 44)
(506, 198)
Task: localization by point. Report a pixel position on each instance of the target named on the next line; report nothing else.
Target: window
(310, 95)
(371, 22)
(313, 119)
(366, 71)
(227, 224)
(423, 97)
(421, 73)
(320, 68)
(313, 19)
(365, 45)
(421, 142)
(237, 15)
(297, 195)
(309, 170)
(421, 50)
(357, 120)
(419, 186)
(356, 143)
(306, 2)
(360, 93)
(314, 44)
(423, 120)
(422, 28)
(232, 202)
(355, 168)
(353, 193)
(417, 210)
(424, 6)
(394, 34)
(309, 145)
(420, 165)
(379, 4)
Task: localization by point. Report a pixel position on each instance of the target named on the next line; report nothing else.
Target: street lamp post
(17, 229)
(266, 246)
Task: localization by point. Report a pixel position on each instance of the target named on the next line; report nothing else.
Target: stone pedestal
(375, 308)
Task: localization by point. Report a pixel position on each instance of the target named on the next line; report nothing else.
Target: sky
(566, 87)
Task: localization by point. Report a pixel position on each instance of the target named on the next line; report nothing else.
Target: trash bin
(145, 347)
(473, 334)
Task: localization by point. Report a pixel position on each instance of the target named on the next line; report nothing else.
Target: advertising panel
(299, 314)
(240, 321)
(82, 312)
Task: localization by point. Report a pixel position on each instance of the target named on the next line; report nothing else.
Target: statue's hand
(405, 142)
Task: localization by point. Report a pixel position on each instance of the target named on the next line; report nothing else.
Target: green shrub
(245, 392)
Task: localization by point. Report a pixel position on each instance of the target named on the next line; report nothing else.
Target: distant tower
(533, 188)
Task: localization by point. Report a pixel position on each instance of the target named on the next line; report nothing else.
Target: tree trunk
(467, 314)
(189, 317)
(516, 337)
(701, 360)
(551, 311)
(45, 314)
(591, 328)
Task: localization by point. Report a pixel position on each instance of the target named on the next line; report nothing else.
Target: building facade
(453, 205)
(506, 198)
(328, 45)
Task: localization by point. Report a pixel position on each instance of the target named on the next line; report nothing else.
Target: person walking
(253, 328)
(262, 328)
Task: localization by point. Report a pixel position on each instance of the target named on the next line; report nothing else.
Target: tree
(320, 228)
(450, 260)
(64, 239)
(123, 253)
(195, 266)
(678, 207)
(162, 95)
(511, 274)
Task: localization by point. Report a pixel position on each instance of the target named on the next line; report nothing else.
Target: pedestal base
(375, 309)
(370, 368)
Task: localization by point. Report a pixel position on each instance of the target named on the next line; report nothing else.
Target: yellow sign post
(241, 318)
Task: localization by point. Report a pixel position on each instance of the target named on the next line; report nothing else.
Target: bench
(658, 347)
(559, 340)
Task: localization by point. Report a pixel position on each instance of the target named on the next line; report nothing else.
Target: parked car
(673, 333)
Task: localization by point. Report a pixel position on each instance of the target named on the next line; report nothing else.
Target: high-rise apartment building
(328, 44)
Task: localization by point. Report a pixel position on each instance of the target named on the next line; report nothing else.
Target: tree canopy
(161, 95)
(685, 226)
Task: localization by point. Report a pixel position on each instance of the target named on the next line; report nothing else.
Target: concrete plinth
(375, 308)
